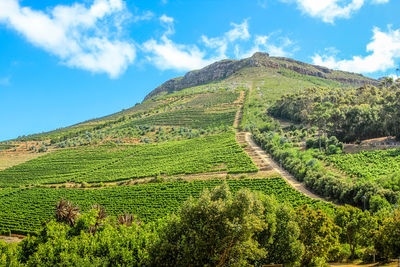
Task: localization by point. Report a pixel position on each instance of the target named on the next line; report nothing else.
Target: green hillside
(190, 129)
(154, 168)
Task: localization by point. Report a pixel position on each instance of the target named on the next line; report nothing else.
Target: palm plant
(66, 212)
(127, 219)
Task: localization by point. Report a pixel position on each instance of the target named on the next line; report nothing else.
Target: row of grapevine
(23, 211)
(381, 166)
(121, 162)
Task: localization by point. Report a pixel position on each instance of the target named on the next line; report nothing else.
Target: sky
(64, 62)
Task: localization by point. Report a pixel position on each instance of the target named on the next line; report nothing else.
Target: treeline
(349, 114)
(305, 167)
(218, 229)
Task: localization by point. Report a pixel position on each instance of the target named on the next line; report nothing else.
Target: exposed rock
(226, 68)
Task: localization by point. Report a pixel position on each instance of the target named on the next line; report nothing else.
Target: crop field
(201, 89)
(120, 162)
(213, 99)
(23, 210)
(190, 117)
(382, 166)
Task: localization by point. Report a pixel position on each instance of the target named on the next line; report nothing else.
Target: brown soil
(394, 263)
(187, 177)
(19, 154)
(12, 239)
(239, 113)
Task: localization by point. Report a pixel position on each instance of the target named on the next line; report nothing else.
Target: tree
(286, 247)
(8, 255)
(356, 227)
(387, 81)
(320, 116)
(387, 238)
(215, 230)
(319, 235)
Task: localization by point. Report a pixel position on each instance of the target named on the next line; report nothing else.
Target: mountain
(226, 68)
(272, 77)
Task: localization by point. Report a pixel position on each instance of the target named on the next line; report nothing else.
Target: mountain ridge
(225, 68)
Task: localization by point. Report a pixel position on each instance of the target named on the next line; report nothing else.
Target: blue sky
(63, 62)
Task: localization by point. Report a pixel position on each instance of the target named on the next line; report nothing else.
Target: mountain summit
(228, 67)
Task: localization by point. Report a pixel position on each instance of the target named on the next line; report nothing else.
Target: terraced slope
(185, 126)
(122, 162)
(23, 210)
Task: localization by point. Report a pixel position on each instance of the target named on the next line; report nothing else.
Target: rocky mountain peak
(227, 67)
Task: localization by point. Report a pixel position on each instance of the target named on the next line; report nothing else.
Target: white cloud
(261, 43)
(384, 49)
(146, 15)
(380, 1)
(330, 10)
(394, 77)
(83, 37)
(168, 23)
(239, 32)
(166, 54)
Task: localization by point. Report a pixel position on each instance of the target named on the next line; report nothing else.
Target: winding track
(285, 175)
(264, 161)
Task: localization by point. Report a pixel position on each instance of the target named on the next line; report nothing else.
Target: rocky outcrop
(226, 68)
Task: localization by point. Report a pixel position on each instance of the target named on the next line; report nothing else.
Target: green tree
(356, 227)
(387, 238)
(215, 230)
(286, 247)
(320, 116)
(319, 235)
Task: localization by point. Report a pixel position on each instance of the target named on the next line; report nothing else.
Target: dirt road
(270, 162)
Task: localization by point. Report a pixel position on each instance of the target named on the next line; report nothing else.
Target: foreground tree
(356, 225)
(285, 247)
(215, 230)
(66, 212)
(319, 235)
(224, 230)
(387, 239)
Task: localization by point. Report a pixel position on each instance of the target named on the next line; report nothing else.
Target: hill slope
(226, 68)
(271, 76)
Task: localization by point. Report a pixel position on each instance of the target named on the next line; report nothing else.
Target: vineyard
(23, 210)
(381, 166)
(121, 162)
(213, 99)
(204, 109)
(189, 117)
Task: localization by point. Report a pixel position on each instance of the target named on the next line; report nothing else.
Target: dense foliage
(121, 162)
(148, 201)
(306, 167)
(380, 166)
(349, 114)
(217, 229)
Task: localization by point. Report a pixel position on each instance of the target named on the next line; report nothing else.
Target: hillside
(224, 69)
(272, 76)
(196, 147)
